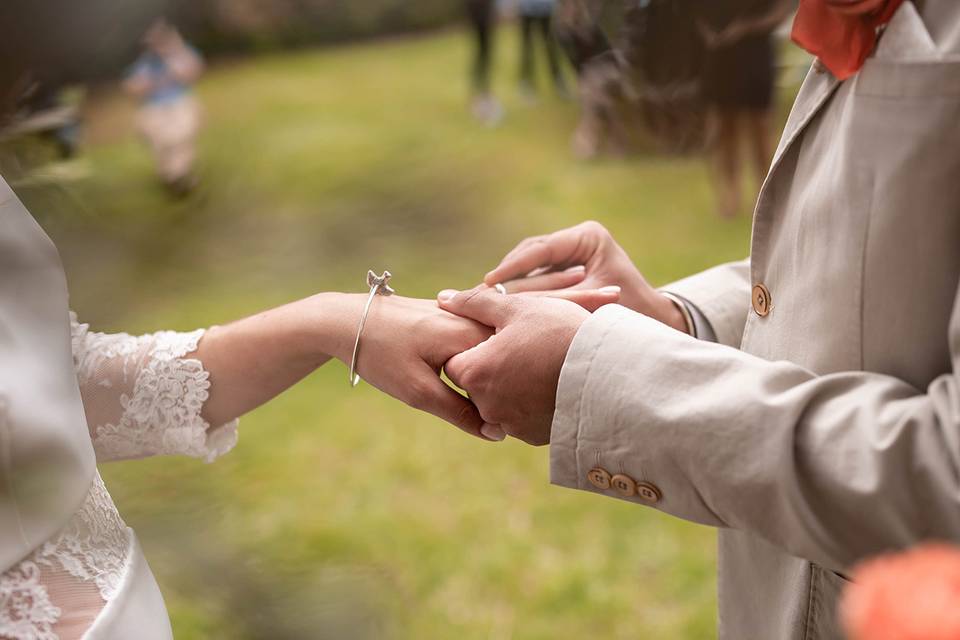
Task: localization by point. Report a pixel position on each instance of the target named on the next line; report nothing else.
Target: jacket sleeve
(831, 468)
(722, 296)
(143, 395)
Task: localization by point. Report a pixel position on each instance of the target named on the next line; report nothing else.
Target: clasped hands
(505, 351)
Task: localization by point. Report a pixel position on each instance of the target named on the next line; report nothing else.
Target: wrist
(334, 321)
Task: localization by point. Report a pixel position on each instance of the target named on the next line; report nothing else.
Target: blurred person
(738, 86)
(536, 16)
(169, 114)
(580, 35)
(578, 31)
(805, 402)
(648, 87)
(483, 18)
(71, 398)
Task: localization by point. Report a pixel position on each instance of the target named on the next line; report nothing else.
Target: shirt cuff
(701, 326)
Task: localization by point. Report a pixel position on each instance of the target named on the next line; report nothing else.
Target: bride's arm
(405, 343)
(180, 393)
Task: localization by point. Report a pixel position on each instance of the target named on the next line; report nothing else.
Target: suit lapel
(817, 87)
(816, 90)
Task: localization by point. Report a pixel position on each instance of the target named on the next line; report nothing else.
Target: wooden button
(648, 492)
(624, 485)
(761, 300)
(599, 478)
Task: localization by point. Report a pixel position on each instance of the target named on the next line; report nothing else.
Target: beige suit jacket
(825, 427)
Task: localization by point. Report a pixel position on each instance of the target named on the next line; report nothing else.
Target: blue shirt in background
(165, 87)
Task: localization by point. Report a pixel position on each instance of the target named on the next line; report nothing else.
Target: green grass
(342, 513)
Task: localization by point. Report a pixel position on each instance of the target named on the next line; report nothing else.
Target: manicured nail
(610, 289)
(492, 432)
(577, 269)
(446, 294)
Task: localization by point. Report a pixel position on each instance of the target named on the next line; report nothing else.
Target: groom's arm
(731, 440)
(828, 467)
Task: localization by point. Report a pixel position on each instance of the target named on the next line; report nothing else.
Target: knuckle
(453, 368)
(469, 378)
(594, 227)
(473, 295)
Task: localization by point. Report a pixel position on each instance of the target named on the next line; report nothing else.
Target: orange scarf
(841, 33)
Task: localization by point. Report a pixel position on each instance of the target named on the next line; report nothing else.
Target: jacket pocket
(824, 620)
(926, 79)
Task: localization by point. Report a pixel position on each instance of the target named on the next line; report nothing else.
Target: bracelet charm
(379, 285)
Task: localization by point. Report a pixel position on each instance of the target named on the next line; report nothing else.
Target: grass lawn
(342, 513)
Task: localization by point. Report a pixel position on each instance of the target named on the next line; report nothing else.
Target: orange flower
(905, 596)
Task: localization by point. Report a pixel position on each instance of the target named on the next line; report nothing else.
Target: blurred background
(197, 161)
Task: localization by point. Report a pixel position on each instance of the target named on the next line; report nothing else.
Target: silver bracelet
(684, 311)
(378, 286)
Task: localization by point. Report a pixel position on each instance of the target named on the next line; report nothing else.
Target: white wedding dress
(142, 396)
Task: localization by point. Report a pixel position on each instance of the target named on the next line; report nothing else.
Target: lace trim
(91, 548)
(161, 416)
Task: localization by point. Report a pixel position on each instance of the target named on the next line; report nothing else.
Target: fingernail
(446, 294)
(577, 269)
(610, 289)
(493, 432)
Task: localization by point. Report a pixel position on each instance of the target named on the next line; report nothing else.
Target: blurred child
(169, 115)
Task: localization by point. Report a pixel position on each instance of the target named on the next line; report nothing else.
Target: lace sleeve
(143, 396)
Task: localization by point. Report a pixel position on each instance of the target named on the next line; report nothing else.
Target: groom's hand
(541, 261)
(512, 377)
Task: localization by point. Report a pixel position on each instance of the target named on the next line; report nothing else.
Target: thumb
(483, 304)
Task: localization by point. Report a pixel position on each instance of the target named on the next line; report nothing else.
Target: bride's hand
(554, 259)
(404, 345)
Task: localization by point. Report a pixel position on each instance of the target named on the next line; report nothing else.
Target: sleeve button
(648, 492)
(624, 485)
(600, 478)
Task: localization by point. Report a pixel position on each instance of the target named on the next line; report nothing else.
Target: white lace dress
(142, 396)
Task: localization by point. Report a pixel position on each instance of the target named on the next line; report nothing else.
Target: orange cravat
(841, 33)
